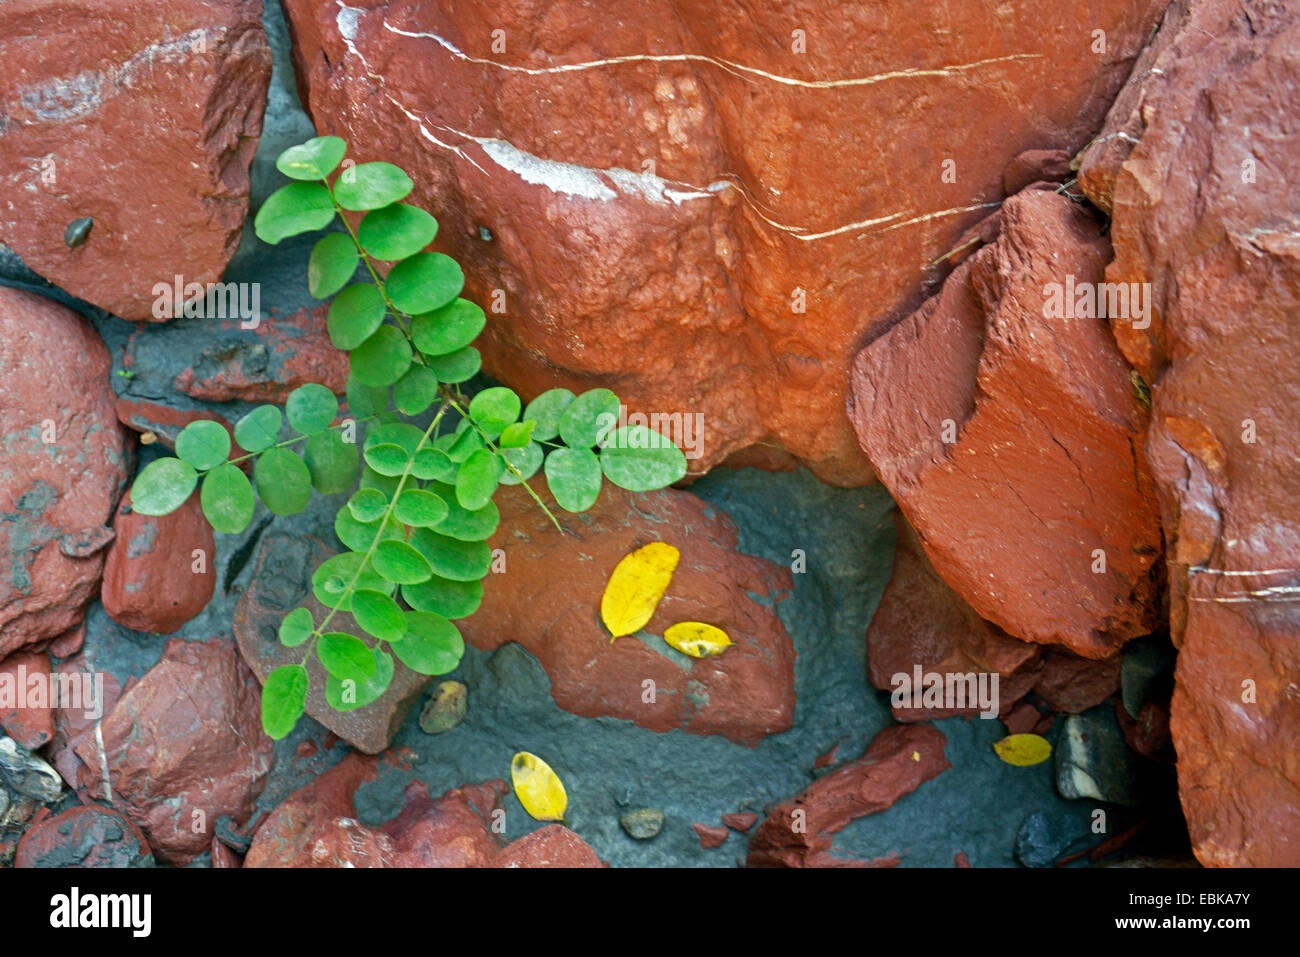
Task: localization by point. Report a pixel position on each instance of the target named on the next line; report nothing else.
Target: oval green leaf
(293, 209)
(227, 499)
(399, 562)
(589, 418)
(354, 315)
(424, 282)
(311, 408)
(331, 461)
(640, 459)
(383, 358)
(378, 615)
(283, 698)
(432, 645)
(315, 159)
(163, 486)
(345, 656)
(547, 410)
(283, 481)
(451, 599)
(332, 264)
(296, 628)
(204, 444)
(573, 476)
(260, 429)
(396, 231)
(371, 185)
(445, 330)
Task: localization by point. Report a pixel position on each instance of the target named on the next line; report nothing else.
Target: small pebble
(446, 708)
(77, 231)
(643, 824)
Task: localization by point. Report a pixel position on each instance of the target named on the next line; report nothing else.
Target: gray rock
(643, 824)
(1047, 836)
(1145, 661)
(27, 774)
(1093, 760)
(445, 708)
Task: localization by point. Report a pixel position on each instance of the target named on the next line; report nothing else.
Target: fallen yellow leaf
(635, 587)
(697, 639)
(1023, 750)
(539, 789)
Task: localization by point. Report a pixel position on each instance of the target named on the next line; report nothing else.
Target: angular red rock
(29, 719)
(711, 835)
(741, 821)
(551, 846)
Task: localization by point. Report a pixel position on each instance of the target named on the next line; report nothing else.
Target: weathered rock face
(26, 711)
(1205, 210)
(159, 573)
(89, 836)
(799, 832)
(551, 846)
(1010, 436)
(65, 464)
(745, 693)
(182, 747)
(174, 94)
(281, 582)
(669, 188)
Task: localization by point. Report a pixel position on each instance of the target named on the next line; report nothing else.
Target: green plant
(414, 530)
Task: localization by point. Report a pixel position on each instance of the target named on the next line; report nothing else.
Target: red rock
(316, 826)
(90, 836)
(1071, 685)
(73, 724)
(175, 95)
(1204, 209)
(551, 846)
(744, 694)
(960, 860)
(281, 582)
(711, 835)
(1018, 463)
(921, 621)
(693, 269)
(224, 857)
(1022, 718)
(160, 571)
(25, 679)
(69, 643)
(57, 495)
(288, 351)
(1148, 733)
(798, 832)
(164, 422)
(741, 821)
(1035, 166)
(182, 747)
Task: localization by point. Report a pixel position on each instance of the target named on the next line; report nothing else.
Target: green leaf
(445, 330)
(378, 615)
(296, 628)
(283, 481)
(400, 563)
(451, 599)
(371, 185)
(547, 410)
(387, 459)
(367, 504)
(478, 478)
(332, 264)
(366, 399)
(419, 508)
(283, 698)
(434, 464)
(640, 459)
(350, 695)
(311, 408)
(293, 209)
(163, 486)
(432, 646)
(395, 433)
(383, 358)
(227, 499)
(526, 461)
(424, 282)
(517, 435)
(315, 159)
(331, 461)
(573, 476)
(354, 315)
(384, 483)
(330, 580)
(588, 418)
(456, 366)
(463, 444)
(464, 524)
(204, 444)
(494, 409)
(345, 656)
(451, 558)
(415, 391)
(396, 231)
(259, 429)
(357, 535)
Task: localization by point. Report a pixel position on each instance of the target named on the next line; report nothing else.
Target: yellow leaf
(539, 789)
(1023, 750)
(697, 639)
(634, 590)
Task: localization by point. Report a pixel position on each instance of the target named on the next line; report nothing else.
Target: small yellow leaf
(634, 590)
(697, 639)
(1023, 750)
(539, 789)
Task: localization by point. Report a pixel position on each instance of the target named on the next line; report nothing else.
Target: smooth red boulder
(1011, 437)
(798, 832)
(65, 465)
(551, 846)
(143, 117)
(27, 698)
(89, 836)
(281, 582)
(662, 176)
(1202, 160)
(745, 693)
(160, 570)
(182, 747)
